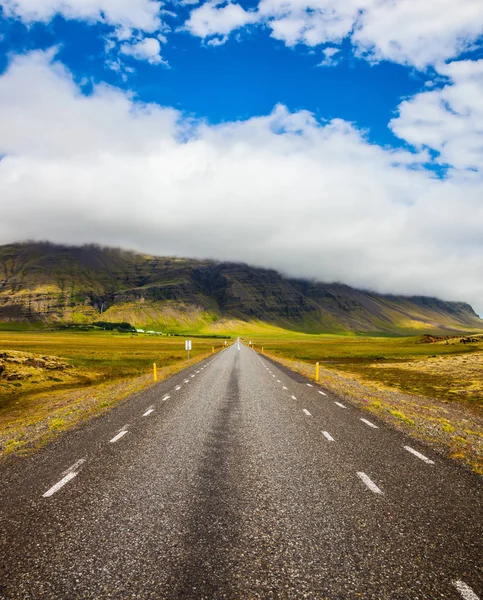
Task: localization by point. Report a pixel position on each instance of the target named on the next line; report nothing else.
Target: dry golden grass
(98, 371)
(436, 398)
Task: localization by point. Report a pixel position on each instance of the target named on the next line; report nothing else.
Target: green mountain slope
(42, 282)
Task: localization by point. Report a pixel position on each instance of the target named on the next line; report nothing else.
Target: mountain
(46, 283)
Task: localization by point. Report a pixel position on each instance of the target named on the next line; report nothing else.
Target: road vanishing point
(236, 479)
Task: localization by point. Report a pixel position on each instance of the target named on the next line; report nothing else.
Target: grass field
(101, 356)
(433, 391)
(96, 370)
(449, 371)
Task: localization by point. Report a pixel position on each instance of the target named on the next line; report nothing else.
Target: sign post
(187, 346)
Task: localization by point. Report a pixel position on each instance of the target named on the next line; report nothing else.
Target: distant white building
(140, 330)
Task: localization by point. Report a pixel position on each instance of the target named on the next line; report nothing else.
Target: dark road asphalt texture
(237, 479)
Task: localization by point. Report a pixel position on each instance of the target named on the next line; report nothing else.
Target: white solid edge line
(310, 385)
(323, 393)
(419, 455)
(339, 404)
(369, 423)
(370, 484)
(118, 436)
(307, 412)
(294, 397)
(60, 484)
(327, 435)
(466, 592)
(148, 412)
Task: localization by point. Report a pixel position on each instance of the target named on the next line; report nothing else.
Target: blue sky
(343, 138)
(235, 80)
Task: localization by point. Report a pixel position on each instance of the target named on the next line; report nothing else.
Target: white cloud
(148, 49)
(139, 14)
(215, 19)
(418, 32)
(280, 190)
(413, 32)
(310, 22)
(449, 119)
(329, 59)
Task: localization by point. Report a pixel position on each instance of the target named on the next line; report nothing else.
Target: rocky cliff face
(48, 283)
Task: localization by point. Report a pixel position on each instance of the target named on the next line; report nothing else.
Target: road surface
(238, 479)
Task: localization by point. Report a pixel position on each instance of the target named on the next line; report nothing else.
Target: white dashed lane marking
(186, 381)
(370, 484)
(310, 385)
(294, 397)
(285, 388)
(60, 484)
(327, 435)
(75, 466)
(118, 436)
(466, 592)
(166, 398)
(307, 412)
(419, 455)
(369, 423)
(178, 387)
(70, 473)
(323, 393)
(148, 412)
(339, 404)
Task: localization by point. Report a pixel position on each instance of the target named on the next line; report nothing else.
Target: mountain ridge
(48, 283)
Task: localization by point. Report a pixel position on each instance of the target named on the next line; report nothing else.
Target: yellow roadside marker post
(262, 349)
(155, 373)
(212, 349)
(316, 371)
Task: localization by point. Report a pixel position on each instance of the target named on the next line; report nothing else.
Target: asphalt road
(236, 479)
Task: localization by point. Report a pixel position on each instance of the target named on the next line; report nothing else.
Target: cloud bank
(139, 14)
(281, 190)
(411, 32)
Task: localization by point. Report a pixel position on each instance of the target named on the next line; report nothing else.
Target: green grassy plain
(104, 368)
(448, 371)
(105, 356)
(432, 391)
